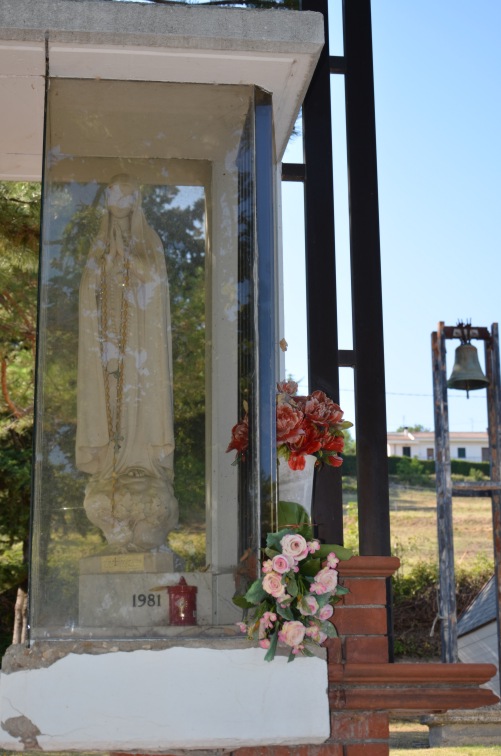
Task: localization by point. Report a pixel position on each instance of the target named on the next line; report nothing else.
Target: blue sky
(437, 70)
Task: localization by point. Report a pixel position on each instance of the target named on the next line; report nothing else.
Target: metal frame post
(321, 270)
(370, 392)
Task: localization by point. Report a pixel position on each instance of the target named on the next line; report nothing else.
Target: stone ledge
(369, 566)
(440, 674)
(394, 698)
(160, 25)
(43, 654)
(402, 687)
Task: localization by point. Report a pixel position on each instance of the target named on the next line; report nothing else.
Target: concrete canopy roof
(275, 50)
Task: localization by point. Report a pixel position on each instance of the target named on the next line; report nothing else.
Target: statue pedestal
(129, 591)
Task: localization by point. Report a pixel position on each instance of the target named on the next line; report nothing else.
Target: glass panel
(294, 284)
(141, 346)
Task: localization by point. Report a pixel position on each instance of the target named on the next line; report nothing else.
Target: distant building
(473, 447)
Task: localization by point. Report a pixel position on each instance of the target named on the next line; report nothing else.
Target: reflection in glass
(148, 346)
(125, 430)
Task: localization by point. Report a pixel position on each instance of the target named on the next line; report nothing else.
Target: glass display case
(156, 334)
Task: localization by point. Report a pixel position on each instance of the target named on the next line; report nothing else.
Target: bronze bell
(467, 374)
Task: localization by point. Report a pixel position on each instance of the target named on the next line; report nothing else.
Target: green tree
(350, 445)
(19, 239)
(181, 229)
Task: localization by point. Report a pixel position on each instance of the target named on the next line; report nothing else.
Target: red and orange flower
(306, 425)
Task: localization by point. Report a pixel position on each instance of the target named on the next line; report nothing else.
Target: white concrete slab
(173, 698)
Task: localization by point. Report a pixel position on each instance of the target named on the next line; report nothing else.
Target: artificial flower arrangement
(310, 424)
(292, 603)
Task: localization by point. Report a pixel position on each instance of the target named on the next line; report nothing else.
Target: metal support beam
(447, 581)
(321, 270)
(370, 404)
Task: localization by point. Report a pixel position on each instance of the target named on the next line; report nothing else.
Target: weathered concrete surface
(457, 728)
(184, 698)
(194, 27)
(94, 39)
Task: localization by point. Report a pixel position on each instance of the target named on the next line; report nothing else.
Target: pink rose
(318, 588)
(281, 563)
(272, 584)
(267, 566)
(326, 612)
(292, 633)
(294, 546)
(242, 627)
(264, 643)
(308, 605)
(316, 635)
(328, 578)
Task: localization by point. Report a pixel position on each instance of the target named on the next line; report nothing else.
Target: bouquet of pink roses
(292, 603)
(310, 424)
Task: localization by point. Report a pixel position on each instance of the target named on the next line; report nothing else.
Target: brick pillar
(361, 621)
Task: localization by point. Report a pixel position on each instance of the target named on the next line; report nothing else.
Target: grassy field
(410, 738)
(414, 525)
(448, 751)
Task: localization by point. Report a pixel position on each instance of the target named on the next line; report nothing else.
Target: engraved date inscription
(145, 599)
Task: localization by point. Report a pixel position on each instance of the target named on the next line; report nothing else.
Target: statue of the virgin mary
(125, 435)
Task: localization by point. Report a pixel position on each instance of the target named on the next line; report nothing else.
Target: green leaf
(292, 587)
(340, 551)
(310, 567)
(341, 590)
(323, 599)
(270, 654)
(285, 612)
(273, 539)
(256, 592)
(329, 629)
(291, 657)
(241, 601)
(306, 531)
(271, 553)
(291, 513)
(306, 652)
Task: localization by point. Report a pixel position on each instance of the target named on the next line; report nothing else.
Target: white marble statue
(125, 436)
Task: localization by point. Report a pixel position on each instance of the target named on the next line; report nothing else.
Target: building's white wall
(419, 443)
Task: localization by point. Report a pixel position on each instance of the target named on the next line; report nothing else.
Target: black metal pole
(370, 404)
(321, 270)
(447, 581)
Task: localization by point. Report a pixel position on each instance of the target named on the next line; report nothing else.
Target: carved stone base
(127, 590)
